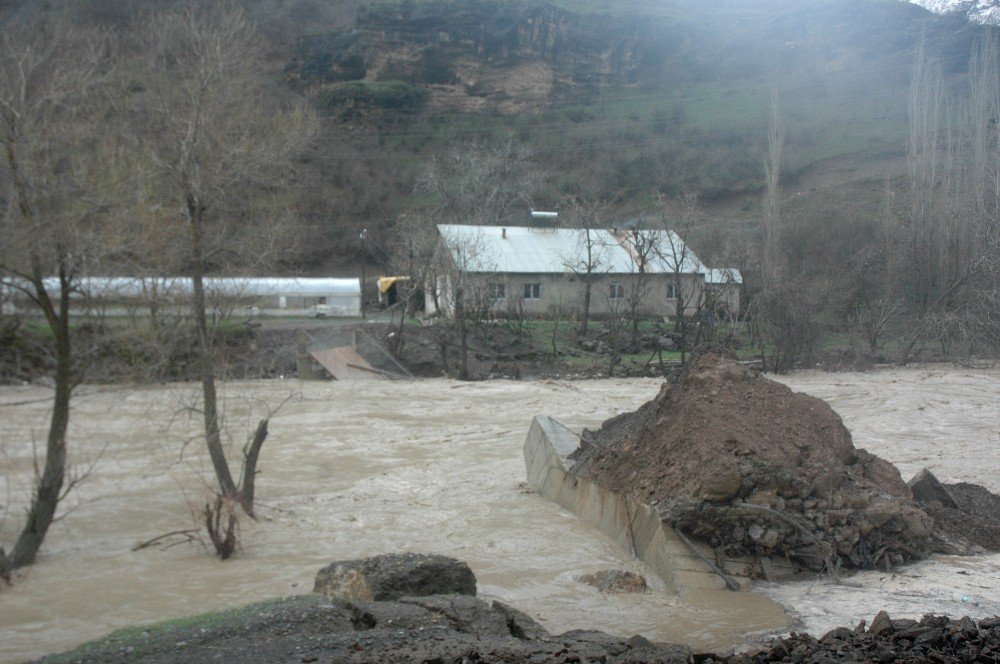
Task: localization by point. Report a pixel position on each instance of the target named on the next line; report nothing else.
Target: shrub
(396, 95)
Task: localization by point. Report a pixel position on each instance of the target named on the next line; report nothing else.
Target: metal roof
(530, 250)
(104, 287)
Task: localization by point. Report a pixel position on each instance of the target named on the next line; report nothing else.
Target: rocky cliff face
(484, 53)
(511, 56)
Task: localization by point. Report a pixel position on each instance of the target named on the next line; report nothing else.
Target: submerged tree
(222, 156)
(60, 169)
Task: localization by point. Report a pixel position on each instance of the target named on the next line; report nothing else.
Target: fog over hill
(981, 11)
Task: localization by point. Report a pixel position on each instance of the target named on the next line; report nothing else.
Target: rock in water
(394, 575)
(615, 581)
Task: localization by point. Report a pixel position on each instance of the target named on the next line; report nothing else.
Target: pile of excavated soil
(747, 465)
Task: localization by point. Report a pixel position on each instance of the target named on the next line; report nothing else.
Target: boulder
(615, 581)
(464, 614)
(395, 575)
(720, 481)
(880, 624)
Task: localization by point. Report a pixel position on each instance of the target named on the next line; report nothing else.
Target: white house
(723, 289)
(544, 270)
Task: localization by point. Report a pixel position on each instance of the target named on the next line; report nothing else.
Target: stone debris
(435, 616)
(931, 639)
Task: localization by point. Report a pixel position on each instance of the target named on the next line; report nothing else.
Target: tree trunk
(409, 308)
(250, 455)
(49, 488)
(463, 334)
(585, 315)
(680, 326)
(206, 361)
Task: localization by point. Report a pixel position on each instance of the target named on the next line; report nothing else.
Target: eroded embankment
(637, 527)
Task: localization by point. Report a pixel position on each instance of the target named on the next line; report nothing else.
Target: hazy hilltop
(618, 102)
(980, 11)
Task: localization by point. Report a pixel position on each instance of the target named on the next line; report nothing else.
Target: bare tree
(589, 261)
(470, 289)
(222, 155)
(772, 189)
(60, 166)
(784, 310)
(924, 168)
(479, 183)
(641, 246)
(876, 302)
(416, 255)
(951, 222)
(678, 260)
(616, 326)
(473, 184)
(984, 128)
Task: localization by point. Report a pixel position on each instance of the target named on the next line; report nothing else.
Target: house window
(616, 290)
(671, 291)
(532, 291)
(498, 291)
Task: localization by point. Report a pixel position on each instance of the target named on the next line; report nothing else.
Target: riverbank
(266, 348)
(311, 628)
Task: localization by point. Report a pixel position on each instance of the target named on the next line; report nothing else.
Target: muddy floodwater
(356, 469)
(944, 419)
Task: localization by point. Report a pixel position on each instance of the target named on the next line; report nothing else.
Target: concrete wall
(564, 293)
(725, 298)
(634, 525)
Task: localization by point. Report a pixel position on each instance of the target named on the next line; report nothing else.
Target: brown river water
(356, 469)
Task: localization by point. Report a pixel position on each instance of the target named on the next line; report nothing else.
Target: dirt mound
(744, 463)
